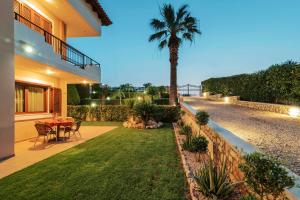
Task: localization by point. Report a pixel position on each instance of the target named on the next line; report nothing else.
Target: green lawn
(122, 164)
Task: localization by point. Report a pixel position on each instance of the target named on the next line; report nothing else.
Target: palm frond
(181, 13)
(158, 35)
(168, 13)
(162, 44)
(156, 24)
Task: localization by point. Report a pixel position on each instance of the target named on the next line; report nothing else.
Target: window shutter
(55, 100)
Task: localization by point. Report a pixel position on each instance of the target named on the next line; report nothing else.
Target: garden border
(224, 142)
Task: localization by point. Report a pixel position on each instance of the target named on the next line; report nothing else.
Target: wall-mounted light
(294, 112)
(49, 72)
(28, 49)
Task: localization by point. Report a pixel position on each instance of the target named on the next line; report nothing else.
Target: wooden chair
(43, 130)
(74, 129)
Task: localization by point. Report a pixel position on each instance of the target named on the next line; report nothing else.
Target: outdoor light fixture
(93, 105)
(48, 71)
(94, 92)
(145, 92)
(28, 49)
(139, 98)
(226, 99)
(108, 98)
(84, 82)
(294, 112)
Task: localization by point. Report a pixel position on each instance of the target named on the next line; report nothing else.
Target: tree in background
(127, 89)
(73, 96)
(161, 90)
(146, 85)
(170, 32)
(152, 91)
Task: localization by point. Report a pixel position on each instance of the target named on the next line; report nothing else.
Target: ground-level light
(93, 105)
(294, 112)
(107, 98)
(226, 99)
(139, 98)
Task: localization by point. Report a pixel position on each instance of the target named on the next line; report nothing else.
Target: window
(30, 98)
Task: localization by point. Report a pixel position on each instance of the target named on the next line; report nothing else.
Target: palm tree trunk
(173, 74)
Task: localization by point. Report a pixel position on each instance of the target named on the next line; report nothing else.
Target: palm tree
(170, 31)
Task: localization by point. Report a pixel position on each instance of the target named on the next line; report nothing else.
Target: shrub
(145, 111)
(265, 175)
(186, 130)
(248, 197)
(100, 113)
(277, 84)
(129, 102)
(195, 144)
(202, 118)
(167, 114)
(73, 96)
(163, 101)
(213, 181)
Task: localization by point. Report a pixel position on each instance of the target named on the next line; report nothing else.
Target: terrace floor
(123, 164)
(26, 154)
(272, 133)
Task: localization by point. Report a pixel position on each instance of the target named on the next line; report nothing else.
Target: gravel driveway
(272, 133)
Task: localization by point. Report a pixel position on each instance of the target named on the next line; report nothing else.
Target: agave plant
(213, 181)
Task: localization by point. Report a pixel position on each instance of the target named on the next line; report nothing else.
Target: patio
(26, 154)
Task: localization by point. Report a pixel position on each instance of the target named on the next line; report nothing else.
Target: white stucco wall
(7, 82)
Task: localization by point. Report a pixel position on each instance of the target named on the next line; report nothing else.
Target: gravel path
(272, 133)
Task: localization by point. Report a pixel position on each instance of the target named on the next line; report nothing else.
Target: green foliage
(248, 197)
(214, 182)
(163, 101)
(130, 102)
(100, 113)
(277, 84)
(167, 114)
(186, 130)
(78, 112)
(152, 91)
(144, 110)
(195, 144)
(202, 118)
(265, 175)
(73, 96)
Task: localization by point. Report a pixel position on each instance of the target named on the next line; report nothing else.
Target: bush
(129, 102)
(202, 118)
(73, 96)
(145, 110)
(196, 144)
(278, 84)
(265, 175)
(100, 113)
(248, 197)
(186, 130)
(167, 114)
(213, 181)
(163, 101)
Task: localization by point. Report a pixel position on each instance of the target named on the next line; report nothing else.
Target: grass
(121, 164)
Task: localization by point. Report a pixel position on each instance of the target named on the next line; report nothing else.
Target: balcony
(64, 50)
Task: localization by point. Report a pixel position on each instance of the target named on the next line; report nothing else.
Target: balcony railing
(66, 51)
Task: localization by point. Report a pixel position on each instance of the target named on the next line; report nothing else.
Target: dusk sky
(238, 36)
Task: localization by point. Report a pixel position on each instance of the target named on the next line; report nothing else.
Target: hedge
(277, 84)
(119, 113)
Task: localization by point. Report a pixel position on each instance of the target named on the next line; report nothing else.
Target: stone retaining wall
(218, 147)
(225, 145)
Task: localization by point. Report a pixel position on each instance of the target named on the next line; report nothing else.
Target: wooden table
(58, 123)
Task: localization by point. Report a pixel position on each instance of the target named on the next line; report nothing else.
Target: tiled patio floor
(26, 154)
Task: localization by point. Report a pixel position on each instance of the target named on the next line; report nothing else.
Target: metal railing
(66, 51)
